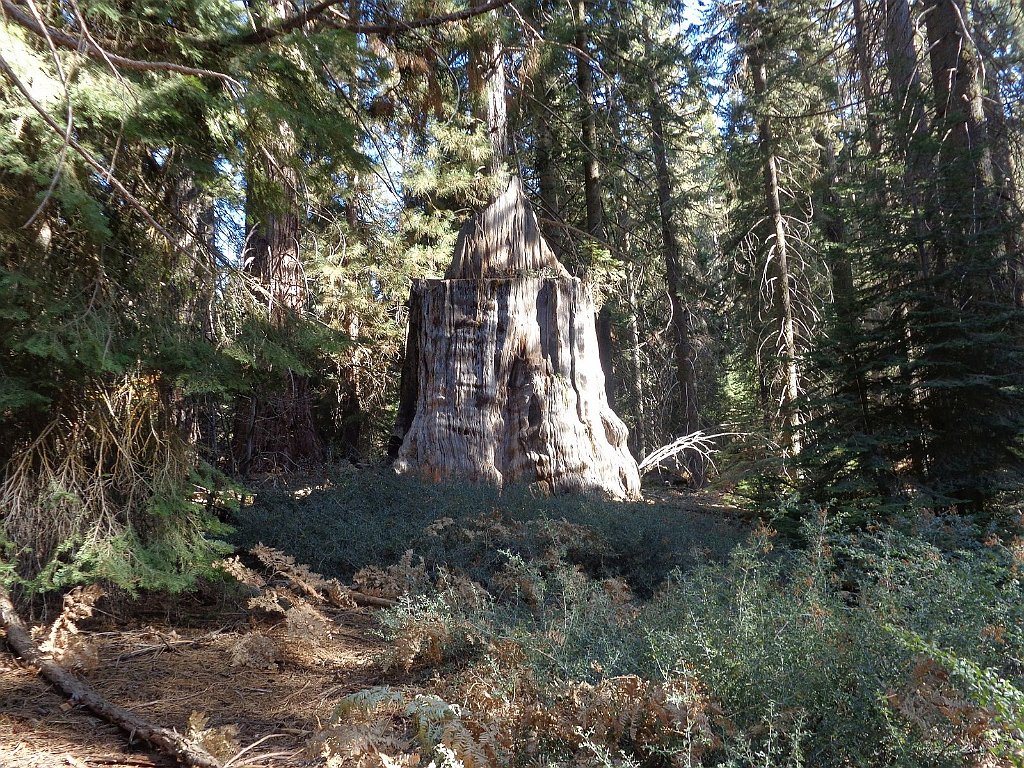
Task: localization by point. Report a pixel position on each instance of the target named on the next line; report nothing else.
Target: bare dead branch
(698, 442)
(166, 740)
(396, 27)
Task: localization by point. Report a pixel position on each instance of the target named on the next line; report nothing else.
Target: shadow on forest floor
(238, 671)
(246, 672)
(373, 517)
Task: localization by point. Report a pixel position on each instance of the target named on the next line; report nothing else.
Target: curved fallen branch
(166, 740)
(698, 442)
(361, 598)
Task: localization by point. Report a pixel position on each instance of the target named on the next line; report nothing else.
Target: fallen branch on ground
(166, 645)
(314, 585)
(697, 442)
(361, 598)
(166, 740)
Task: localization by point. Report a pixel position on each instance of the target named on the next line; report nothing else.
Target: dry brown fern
(255, 650)
(930, 701)
(64, 643)
(401, 578)
(303, 578)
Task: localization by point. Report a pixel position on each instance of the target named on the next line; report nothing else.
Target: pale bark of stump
(502, 381)
(503, 240)
(510, 388)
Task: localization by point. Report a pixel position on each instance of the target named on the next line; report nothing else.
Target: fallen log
(167, 740)
(361, 598)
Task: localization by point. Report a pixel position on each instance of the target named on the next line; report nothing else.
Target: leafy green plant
(874, 648)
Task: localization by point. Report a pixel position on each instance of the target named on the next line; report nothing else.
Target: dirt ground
(167, 661)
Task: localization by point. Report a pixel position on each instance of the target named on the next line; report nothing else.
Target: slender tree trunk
(550, 203)
(779, 257)
(640, 442)
(1008, 195)
(682, 319)
(913, 125)
(487, 86)
(862, 52)
(588, 127)
(965, 154)
(592, 182)
(911, 141)
(348, 411)
(275, 429)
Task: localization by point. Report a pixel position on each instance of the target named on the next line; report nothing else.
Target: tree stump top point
(502, 241)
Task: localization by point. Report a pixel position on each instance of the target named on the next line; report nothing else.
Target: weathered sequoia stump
(502, 380)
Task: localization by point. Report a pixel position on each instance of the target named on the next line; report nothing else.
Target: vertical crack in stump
(508, 383)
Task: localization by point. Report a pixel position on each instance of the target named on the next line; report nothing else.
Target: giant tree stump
(502, 380)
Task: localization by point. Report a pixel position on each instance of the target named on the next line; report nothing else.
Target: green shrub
(534, 620)
(879, 649)
(372, 517)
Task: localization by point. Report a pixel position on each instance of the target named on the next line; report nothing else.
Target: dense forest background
(803, 224)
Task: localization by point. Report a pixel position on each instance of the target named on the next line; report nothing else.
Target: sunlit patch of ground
(253, 678)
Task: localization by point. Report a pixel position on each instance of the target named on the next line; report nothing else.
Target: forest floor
(206, 665)
(172, 663)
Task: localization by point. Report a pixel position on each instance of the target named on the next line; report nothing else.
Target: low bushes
(372, 517)
(538, 631)
(868, 650)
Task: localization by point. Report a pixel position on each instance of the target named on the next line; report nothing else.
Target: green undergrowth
(373, 517)
(570, 632)
(875, 649)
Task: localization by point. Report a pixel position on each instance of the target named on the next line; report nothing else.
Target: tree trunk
(550, 204)
(167, 740)
(588, 127)
(592, 182)
(685, 352)
(510, 389)
(779, 259)
(1006, 191)
(911, 146)
(275, 428)
(965, 156)
(912, 126)
(640, 443)
(862, 53)
(502, 381)
(504, 354)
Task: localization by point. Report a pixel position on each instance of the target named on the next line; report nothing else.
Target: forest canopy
(774, 256)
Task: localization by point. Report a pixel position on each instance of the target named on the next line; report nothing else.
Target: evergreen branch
(85, 154)
(89, 47)
(59, 168)
(398, 26)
